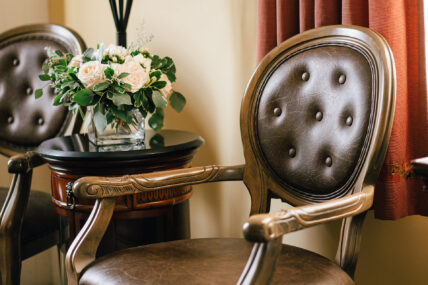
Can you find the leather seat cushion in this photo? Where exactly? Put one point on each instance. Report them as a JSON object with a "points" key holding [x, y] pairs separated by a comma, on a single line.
{"points": [[207, 261], [40, 218]]}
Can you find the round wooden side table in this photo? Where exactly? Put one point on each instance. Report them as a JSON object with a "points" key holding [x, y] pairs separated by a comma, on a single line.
{"points": [[138, 219]]}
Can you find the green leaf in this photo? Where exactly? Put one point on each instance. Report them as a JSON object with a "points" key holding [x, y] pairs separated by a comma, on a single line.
{"points": [[156, 62], [157, 141], [156, 121], [158, 99], [156, 74], [101, 86], [38, 93], [159, 84], [44, 77], [82, 115], [148, 102], [109, 72], [138, 100], [121, 115], [143, 112], [110, 117], [177, 101], [58, 52], [100, 122], [123, 75], [45, 68], [126, 86], [171, 76], [84, 97], [121, 99], [119, 89], [57, 100]]}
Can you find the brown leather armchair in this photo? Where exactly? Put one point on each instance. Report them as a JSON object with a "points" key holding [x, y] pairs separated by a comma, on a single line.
{"points": [[24, 124], [315, 124]]}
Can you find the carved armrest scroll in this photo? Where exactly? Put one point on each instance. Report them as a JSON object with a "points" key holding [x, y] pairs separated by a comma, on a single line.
{"points": [[268, 227], [103, 187], [22, 163]]}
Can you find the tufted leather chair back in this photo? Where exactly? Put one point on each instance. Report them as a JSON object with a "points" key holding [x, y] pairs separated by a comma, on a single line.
{"points": [[24, 121], [316, 116]]}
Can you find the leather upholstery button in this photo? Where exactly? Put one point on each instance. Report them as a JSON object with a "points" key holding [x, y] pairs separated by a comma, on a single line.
{"points": [[318, 116], [328, 161], [10, 120], [292, 152], [305, 76], [349, 121], [29, 91], [277, 111], [342, 78], [40, 121], [15, 61]]}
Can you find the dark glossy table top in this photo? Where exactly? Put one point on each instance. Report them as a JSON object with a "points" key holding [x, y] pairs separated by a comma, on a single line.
{"points": [[78, 146]]}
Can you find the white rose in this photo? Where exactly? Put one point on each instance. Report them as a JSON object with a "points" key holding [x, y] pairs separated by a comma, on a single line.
{"points": [[144, 61], [76, 61], [167, 90], [91, 73], [112, 50], [137, 77]]}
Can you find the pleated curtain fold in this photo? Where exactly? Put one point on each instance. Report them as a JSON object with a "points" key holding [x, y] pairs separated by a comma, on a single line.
{"points": [[401, 22]]}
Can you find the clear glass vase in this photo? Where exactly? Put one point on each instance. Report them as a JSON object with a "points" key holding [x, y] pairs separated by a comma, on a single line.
{"points": [[118, 133]]}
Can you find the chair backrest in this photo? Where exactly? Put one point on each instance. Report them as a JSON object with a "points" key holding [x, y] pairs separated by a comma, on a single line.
{"points": [[24, 121], [316, 116]]}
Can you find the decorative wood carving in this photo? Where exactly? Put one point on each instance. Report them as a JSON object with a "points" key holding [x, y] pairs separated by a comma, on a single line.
{"points": [[101, 187]]}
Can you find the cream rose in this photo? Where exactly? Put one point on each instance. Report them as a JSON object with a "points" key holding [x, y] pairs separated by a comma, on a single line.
{"points": [[144, 61], [91, 73], [167, 90], [76, 61], [137, 77]]}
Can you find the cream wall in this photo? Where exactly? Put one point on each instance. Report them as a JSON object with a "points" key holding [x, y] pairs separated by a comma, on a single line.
{"points": [[213, 45]]}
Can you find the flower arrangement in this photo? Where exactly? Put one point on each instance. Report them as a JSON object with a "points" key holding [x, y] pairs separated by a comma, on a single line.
{"points": [[115, 81]]}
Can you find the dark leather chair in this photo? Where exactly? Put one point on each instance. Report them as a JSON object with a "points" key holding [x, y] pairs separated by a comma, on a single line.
{"points": [[315, 123], [24, 124]]}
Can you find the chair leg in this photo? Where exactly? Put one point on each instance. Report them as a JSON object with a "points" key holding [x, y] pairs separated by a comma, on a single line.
{"points": [[61, 249], [10, 263], [63, 239], [349, 245]]}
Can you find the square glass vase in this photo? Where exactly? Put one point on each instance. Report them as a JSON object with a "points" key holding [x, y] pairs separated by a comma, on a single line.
{"points": [[118, 133]]}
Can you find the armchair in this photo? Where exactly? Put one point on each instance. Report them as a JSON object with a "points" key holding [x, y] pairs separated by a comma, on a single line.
{"points": [[28, 229], [315, 124]]}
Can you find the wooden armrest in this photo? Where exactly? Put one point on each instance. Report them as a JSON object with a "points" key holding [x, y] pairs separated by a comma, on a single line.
{"points": [[268, 227], [266, 230], [104, 187], [12, 214], [22, 163]]}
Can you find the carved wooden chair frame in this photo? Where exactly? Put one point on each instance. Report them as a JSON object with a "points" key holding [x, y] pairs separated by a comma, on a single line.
{"points": [[266, 230]]}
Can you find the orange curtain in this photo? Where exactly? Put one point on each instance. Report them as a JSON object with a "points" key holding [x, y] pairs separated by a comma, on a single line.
{"points": [[397, 194]]}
